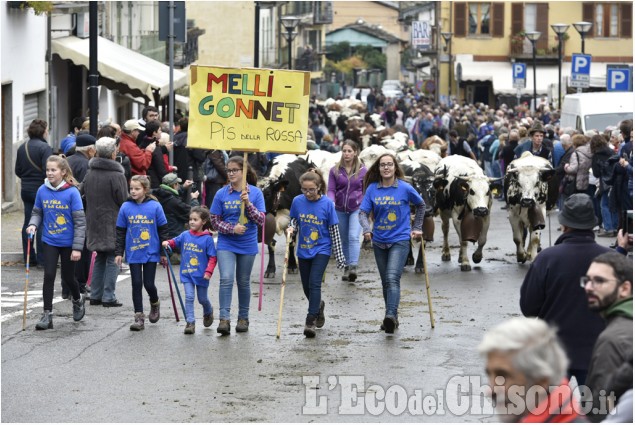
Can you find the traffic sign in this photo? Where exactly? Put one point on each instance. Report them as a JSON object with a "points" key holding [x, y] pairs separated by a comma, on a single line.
{"points": [[580, 70], [618, 79], [519, 75]]}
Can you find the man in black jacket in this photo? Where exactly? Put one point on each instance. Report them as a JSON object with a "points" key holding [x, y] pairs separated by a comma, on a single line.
{"points": [[177, 211], [551, 289], [30, 167]]}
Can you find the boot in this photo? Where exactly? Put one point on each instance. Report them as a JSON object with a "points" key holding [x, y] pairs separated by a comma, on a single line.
{"points": [[190, 328], [352, 273], [390, 324], [138, 325], [319, 322], [208, 319], [345, 275], [309, 327], [46, 322], [223, 327], [78, 308], [155, 314], [242, 325]]}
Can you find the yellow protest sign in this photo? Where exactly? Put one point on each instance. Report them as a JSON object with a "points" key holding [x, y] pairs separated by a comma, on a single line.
{"points": [[262, 110]]}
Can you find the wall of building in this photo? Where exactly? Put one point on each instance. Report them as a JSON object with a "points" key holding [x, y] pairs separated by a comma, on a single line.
{"points": [[228, 41], [374, 13]]}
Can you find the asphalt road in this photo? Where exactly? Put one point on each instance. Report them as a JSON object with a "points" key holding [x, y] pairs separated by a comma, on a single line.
{"points": [[97, 370]]}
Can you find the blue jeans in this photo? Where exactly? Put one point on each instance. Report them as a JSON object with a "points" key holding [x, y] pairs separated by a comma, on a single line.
{"points": [[311, 273], [28, 198], [390, 263], [609, 218], [201, 294], [350, 231], [104, 279], [238, 266], [142, 276]]}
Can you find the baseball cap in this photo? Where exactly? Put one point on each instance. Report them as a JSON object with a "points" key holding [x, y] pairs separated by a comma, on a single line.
{"points": [[171, 178], [131, 125]]}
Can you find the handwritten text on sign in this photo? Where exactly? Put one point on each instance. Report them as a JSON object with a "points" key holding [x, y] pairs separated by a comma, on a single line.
{"points": [[248, 109]]}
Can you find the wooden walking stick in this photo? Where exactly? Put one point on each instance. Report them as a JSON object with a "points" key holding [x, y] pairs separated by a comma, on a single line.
{"points": [[90, 270], [26, 284], [284, 281], [243, 219], [425, 268]]}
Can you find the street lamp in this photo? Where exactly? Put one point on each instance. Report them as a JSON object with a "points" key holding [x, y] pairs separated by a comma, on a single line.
{"points": [[560, 30], [290, 23], [533, 36], [447, 37], [583, 28]]}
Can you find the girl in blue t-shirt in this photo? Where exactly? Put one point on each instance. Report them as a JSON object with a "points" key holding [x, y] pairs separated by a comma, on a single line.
{"points": [[59, 214], [388, 198], [313, 217], [198, 260], [237, 243], [141, 227]]}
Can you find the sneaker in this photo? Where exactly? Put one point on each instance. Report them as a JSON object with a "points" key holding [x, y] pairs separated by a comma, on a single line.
{"points": [[113, 303], [155, 314], [224, 327], [78, 308], [190, 328], [390, 323], [352, 274], [138, 325], [242, 325], [208, 319], [309, 327], [95, 302], [46, 321], [607, 233], [345, 275], [319, 322]]}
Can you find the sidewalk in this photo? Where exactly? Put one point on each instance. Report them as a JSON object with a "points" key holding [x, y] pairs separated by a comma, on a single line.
{"points": [[11, 246]]}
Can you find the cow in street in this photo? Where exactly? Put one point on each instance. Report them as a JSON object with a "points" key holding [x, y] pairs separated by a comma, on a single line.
{"points": [[527, 187], [279, 185], [464, 195]]}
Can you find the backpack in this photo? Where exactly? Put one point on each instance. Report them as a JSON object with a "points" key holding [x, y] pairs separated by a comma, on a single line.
{"points": [[607, 172]]}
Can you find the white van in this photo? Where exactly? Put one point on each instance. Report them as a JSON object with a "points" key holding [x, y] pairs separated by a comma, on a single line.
{"points": [[597, 110]]}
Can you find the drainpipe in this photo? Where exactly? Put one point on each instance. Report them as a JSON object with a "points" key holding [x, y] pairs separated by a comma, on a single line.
{"points": [[93, 70]]}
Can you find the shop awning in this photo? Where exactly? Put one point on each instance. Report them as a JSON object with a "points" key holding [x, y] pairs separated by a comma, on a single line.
{"points": [[120, 68], [500, 75]]}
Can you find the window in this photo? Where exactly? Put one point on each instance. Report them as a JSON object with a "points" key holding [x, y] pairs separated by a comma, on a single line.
{"points": [[478, 19], [609, 19], [605, 20], [531, 17], [479, 15]]}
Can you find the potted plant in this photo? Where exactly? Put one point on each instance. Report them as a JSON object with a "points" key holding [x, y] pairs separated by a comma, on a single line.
{"points": [[517, 42], [39, 7]]}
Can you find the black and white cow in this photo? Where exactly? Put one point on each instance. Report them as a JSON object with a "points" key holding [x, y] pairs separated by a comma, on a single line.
{"points": [[527, 188], [279, 185], [463, 194]]}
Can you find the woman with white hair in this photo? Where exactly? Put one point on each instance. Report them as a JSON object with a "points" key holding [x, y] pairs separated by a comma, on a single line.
{"points": [[105, 188], [525, 359]]}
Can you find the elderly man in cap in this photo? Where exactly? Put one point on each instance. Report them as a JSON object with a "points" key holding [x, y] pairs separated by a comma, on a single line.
{"points": [[140, 159], [526, 368], [551, 288], [172, 199]]}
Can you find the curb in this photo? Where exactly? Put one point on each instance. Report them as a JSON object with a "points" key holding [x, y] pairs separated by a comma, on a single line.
{"points": [[11, 257]]}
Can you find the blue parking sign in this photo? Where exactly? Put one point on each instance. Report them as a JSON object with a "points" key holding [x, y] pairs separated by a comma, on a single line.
{"points": [[618, 79], [580, 70], [519, 75]]}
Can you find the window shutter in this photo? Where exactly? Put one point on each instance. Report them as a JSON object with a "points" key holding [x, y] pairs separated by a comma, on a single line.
{"points": [[542, 25], [460, 21], [499, 19], [626, 18], [517, 18], [588, 15]]}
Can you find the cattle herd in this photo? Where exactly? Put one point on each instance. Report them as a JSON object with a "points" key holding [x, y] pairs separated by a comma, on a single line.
{"points": [[454, 187]]}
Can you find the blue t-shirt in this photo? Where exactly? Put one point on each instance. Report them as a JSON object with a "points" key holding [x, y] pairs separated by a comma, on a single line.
{"points": [[314, 219], [195, 252], [57, 214], [227, 206], [142, 223], [391, 209]]}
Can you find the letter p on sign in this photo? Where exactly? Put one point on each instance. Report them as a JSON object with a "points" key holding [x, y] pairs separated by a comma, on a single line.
{"points": [[618, 79]]}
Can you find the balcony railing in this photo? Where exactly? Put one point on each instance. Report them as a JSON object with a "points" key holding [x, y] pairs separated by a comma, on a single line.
{"points": [[520, 49]]}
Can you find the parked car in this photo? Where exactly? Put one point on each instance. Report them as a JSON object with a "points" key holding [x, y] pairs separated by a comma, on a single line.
{"points": [[365, 92], [392, 88]]}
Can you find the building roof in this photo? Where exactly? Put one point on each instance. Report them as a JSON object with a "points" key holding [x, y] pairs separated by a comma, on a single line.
{"points": [[371, 30]]}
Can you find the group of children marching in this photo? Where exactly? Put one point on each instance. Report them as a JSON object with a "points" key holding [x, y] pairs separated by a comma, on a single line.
{"points": [[141, 234]]}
